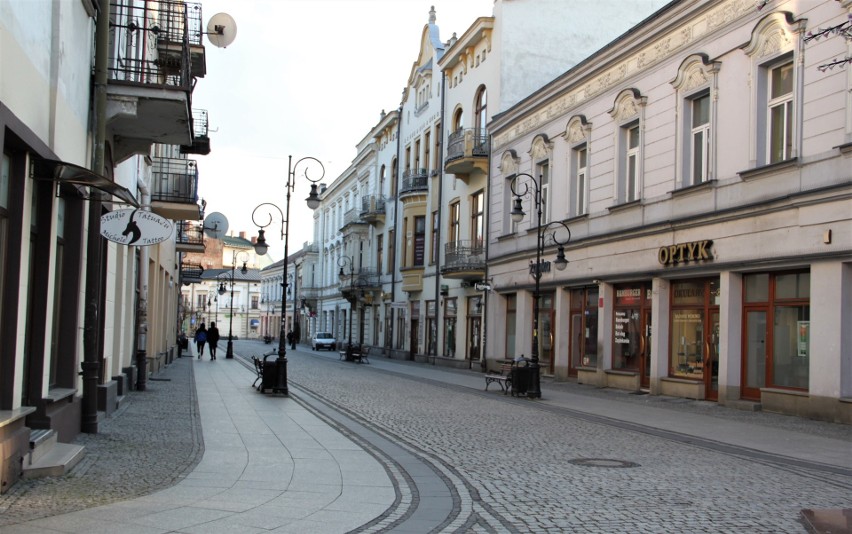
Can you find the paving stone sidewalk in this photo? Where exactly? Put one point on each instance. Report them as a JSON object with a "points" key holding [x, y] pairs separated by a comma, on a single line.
{"points": [[151, 442]]}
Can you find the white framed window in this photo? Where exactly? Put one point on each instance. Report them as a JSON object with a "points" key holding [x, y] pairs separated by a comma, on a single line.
{"points": [[780, 112], [630, 162], [776, 102], [578, 133], [581, 171], [509, 163], [628, 114], [543, 176], [699, 135]]}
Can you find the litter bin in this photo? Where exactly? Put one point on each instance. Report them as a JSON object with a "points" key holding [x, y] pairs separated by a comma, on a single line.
{"points": [[270, 375], [521, 377]]}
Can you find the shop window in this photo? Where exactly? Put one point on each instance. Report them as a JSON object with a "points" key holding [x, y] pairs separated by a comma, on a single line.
{"points": [[511, 318], [584, 328], [694, 328], [450, 313], [631, 326], [431, 328], [776, 350]]}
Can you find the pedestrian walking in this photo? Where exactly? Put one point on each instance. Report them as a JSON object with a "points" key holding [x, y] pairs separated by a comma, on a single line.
{"points": [[213, 339], [200, 339]]}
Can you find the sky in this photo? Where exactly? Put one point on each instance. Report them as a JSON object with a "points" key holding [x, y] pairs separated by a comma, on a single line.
{"points": [[304, 78]]}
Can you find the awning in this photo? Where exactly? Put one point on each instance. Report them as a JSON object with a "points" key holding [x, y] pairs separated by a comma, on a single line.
{"points": [[59, 171], [254, 322]]}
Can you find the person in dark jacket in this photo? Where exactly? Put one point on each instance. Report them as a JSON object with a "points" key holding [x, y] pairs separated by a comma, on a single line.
{"points": [[213, 339], [200, 339]]}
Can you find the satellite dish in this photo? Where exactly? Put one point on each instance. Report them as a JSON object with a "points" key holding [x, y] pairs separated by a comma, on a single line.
{"points": [[215, 226], [221, 30]]}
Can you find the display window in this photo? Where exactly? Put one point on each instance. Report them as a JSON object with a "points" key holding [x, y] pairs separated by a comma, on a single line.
{"points": [[546, 338], [632, 329], [694, 347], [584, 329], [776, 340]]}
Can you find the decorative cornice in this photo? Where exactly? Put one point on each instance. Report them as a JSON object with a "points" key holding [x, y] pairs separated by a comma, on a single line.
{"points": [[653, 53]]}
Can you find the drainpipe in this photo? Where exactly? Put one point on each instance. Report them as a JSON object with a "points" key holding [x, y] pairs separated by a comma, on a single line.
{"points": [[142, 302], [440, 218], [483, 363], [396, 236], [91, 322]]}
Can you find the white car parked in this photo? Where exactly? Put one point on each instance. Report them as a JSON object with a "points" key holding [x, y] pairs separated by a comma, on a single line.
{"points": [[323, 340]]}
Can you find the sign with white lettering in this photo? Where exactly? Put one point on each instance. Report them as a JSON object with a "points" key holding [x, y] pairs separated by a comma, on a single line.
{"points": [[135, 227]]}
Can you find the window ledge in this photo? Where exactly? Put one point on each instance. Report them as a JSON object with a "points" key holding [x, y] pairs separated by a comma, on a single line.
{"points": [[57, 394], [576, 218], [620, 372], [505, 237], [709, 184], [680, 380], [588, 369], [768, 169], [625, 205], [845, 148], [7, 417], [781, 391]]}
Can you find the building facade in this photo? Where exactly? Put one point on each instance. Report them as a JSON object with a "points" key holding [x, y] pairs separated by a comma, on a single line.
{"points": [[701, 164], [77, 147]]}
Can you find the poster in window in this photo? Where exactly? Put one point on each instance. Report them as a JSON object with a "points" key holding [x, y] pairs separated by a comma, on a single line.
{"points": [[804, 329]]}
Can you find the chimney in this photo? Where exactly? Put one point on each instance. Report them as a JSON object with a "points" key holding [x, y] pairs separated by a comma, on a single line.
{"points": [[242, 235], [254, 240]]}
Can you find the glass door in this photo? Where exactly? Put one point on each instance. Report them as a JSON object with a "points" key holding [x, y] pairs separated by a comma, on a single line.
{"points": [[711, 361], [645, 353]]}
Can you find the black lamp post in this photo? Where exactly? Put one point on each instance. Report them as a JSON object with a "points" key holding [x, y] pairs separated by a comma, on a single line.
{"points": [[346, 261], [230, 350], [261, 247], [537, 268]]}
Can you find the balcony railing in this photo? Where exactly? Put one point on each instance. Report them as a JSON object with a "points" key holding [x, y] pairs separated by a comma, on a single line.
{"points": [[200, 139], [150, 42], [373, 204], [190, 273], [352, 216], [189, 233], [414, 180], [467, 143], [175, 180], [466, 255]]}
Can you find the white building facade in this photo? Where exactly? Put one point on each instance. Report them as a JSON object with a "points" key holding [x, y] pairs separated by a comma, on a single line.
{"points": [[701, 163]]}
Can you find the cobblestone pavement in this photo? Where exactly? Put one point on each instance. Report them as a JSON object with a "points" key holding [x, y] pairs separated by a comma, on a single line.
{"points": [[148, 444], [542, 471], [514, 466]]}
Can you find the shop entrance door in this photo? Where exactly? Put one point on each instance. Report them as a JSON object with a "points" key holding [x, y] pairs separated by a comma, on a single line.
{"points": [[473, 334], [645, 354]]}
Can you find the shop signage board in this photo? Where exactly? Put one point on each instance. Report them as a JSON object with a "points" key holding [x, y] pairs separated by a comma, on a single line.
{"points": [[135, 227]]}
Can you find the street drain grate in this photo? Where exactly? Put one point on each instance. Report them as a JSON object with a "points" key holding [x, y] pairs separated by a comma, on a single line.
{"points": [[603, 462]]}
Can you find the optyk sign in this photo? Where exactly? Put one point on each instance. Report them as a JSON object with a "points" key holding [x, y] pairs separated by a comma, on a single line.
{"points": [[135, 227]]}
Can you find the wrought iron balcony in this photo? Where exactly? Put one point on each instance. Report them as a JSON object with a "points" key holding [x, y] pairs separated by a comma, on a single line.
{"points": [[189, 237], [200, 139], [155, 54], [190, 273], [373, 209], [352, 217], [174, 189], [361, 280], [414, 181], [467, 151], [464, 260]]}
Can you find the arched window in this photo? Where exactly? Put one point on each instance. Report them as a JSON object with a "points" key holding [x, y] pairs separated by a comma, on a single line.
{"points": [[481, 117], [458, 120]]}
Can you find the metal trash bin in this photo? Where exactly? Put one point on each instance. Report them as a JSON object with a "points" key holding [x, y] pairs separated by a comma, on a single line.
{"points": [[270, 375], [521, 377]]}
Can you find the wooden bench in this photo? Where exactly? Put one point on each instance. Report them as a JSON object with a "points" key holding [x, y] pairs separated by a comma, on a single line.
{"points": [[504, 379], [361, 355]]}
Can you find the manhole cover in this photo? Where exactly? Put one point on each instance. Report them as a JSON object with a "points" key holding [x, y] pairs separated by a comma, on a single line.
{"points": [[603, 462]]}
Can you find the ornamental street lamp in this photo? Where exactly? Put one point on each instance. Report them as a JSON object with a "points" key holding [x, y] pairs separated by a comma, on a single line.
{"points": [[536, 269], [230, 350], [346, 261], [261, 247]]}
